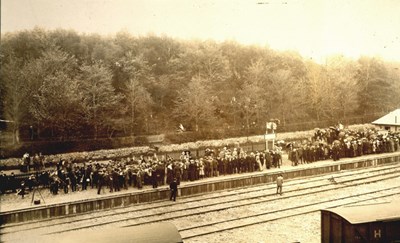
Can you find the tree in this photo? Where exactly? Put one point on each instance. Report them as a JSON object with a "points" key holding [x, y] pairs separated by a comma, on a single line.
{"points": [[139, 100], [158, 52], [57, 102], [52, 61], [50, 81], [14, 95], [194, 105], [252, 97], [342, 73], [288, 97], [374, 86], [26, 45], [99, 97], [68, 41], [393, 69], [135, 73], [206, 60], [318, 90]]}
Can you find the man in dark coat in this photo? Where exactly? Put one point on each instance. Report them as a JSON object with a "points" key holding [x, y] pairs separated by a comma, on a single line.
{"points": [[12, 182], [154, 177], [139, 176], [268, 159], [22, 190], [101, 181], [85, 178], [174, 189], [72, 177], [116, 182], [3, 182]]}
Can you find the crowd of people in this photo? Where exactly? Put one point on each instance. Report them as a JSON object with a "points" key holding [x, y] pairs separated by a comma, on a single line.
{"points": [[337, 142], [114, 175]]}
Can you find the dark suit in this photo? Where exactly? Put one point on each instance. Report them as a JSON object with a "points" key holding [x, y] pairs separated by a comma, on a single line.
{"points": [[174, 189]]}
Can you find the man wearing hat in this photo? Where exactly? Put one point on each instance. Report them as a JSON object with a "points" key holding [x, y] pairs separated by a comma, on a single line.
{"points": [[173, 186], [22, 190]]}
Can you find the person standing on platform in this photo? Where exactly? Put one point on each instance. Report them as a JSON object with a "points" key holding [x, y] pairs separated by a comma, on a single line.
{"points": [[279, 184], [3, 182], [139, 183], [154, 176], [268, 159], [101, 183], [22, 190], [174, 189], [12, 182]]}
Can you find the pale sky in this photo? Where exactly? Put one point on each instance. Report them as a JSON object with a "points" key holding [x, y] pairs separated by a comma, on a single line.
{"points": [[314, 28]]}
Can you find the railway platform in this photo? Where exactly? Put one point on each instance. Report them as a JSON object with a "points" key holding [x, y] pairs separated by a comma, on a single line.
{"points": [[14, 209]]}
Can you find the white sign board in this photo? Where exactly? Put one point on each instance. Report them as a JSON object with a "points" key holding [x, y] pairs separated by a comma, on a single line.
{"points": [[270, 136]]}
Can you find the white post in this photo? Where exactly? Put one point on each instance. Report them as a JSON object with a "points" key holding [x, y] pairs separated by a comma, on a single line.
{"points": [[266, 141], [273, 140]]}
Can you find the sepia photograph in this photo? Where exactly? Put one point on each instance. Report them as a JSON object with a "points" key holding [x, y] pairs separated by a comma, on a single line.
{"points": [[200, 121]]}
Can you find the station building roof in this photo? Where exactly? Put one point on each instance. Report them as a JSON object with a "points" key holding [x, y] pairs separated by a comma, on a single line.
{"points": [[369, 213], [391, 119]]}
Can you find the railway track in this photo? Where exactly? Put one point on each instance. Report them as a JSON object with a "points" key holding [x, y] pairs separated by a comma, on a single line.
{"points": [[218, 202], [260, 218]]}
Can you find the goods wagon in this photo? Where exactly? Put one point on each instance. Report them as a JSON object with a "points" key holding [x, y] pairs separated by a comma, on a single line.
{"points": [[378, 223]]}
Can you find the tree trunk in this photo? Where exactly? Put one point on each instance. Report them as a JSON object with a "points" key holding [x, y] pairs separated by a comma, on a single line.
{"points": [[16, 139], [197, 124], [95, 126], [95, 130], [132, 97], [110, 133], [132, 118], [234, 118], [247, 120], [38, 132]]}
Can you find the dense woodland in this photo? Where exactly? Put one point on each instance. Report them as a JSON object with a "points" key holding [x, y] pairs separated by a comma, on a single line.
{"points": [[64, 84]]}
